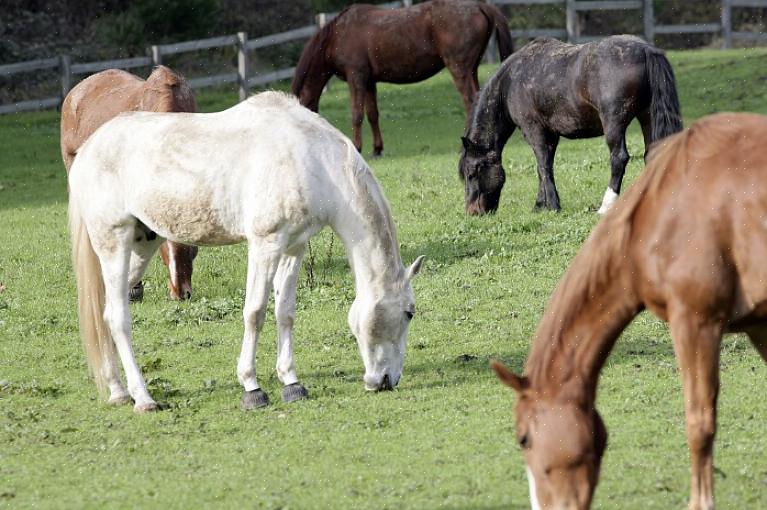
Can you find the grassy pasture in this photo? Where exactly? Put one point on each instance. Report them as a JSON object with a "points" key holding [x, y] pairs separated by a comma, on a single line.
{"points": [[444, 438]]}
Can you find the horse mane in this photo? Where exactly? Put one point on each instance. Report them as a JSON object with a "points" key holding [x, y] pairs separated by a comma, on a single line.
{"points": [[172, 92], [313, 50], [602, 257]]}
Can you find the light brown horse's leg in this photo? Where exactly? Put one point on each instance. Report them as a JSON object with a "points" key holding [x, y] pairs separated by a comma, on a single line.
{"points": [[371, 108], [696, 344], [357, 98]]}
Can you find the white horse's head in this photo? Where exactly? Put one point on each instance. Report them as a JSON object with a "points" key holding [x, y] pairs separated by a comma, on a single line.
{"points": [[380, 324]]}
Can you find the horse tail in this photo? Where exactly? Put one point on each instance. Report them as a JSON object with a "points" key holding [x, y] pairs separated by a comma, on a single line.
{"points": [[665, 112], [97, 340], [501, 26]]}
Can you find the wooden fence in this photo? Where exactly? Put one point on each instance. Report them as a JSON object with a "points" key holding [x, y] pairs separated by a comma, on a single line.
{"points": [[244, 46]]}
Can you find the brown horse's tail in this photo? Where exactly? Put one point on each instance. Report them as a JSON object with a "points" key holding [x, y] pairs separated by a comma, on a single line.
{"points": [[167, 91], [97, 340], [665, 112], [501, 26]]}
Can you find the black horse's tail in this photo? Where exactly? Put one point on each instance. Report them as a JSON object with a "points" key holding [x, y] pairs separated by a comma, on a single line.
{"points": [[501, 26], [665, 112]]}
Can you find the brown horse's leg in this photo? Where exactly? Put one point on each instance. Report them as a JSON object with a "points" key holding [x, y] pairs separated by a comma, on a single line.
{"points": [[357, 98], [759, 339], [465, 79], [696, 344], [371, 107]]}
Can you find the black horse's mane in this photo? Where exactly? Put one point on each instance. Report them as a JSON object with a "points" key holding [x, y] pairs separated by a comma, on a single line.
{"points": [[313, 50]]}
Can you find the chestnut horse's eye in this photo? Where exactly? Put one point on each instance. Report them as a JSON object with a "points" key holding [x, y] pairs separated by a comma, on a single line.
{"points": [[524, 442]]}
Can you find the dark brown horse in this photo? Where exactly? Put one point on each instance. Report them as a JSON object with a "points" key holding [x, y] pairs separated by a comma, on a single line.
{"points": [[688, 242], [365, 44], [550, 89], [105, 95]]}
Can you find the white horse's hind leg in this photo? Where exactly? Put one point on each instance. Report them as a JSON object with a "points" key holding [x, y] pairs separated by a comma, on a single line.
{"points": [[263, 258], [285, 282], [115, 259]]}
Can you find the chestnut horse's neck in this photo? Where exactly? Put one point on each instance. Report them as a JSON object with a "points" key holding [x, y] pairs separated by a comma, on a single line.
{"points": [[490, 125], [590, 307]]}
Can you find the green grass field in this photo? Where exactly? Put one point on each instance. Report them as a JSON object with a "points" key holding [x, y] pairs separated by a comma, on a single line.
{"points": [[444, 438]]}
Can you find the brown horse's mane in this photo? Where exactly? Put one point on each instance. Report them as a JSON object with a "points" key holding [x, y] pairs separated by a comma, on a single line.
{"points": [[601, 259], [313, 51], [171, 91]]}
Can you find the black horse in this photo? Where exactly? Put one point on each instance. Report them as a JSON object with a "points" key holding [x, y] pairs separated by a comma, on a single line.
{"points": [[550, 89]]}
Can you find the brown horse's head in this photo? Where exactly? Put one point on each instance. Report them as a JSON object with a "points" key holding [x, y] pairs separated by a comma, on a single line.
{"points": [[313, 70], [178, 258], [563, 443], [167, 91], [483, 176]]}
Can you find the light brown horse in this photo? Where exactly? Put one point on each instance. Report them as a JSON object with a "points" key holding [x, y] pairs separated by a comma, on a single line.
{"points": [[104, 95], [688, 242], [366, 44]]}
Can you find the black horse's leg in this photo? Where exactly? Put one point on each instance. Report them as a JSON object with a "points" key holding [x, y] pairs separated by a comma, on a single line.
{"points": [[544, 144], [646, 122], [371, 108], [357, 97], [615, 135]]}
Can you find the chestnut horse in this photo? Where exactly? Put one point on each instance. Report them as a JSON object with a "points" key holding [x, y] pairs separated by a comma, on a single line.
{"points": [[687, 242], [550, 89], [366, 44], [105, 95]]}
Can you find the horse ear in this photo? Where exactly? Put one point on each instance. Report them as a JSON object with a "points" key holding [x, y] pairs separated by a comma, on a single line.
{"points": [[467, 144], [507, 377], [415, 267]]}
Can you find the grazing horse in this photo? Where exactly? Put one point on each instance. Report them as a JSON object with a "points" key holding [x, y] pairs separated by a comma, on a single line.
{"points": [[687, 242], [267, 172], [365, 44], [104, 95], [550, 89]]}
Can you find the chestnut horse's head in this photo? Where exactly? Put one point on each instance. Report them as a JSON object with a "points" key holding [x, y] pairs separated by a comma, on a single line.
{"points": [[167, 91], [178, 258], [562, 442], [483, 176]]}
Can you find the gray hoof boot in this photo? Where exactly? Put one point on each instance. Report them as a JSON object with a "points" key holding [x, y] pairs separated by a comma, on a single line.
{"points": [[254, 399], [137, 292], [293, 392]]}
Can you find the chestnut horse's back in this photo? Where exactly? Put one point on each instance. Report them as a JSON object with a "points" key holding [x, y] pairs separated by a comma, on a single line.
{"points": [[104, 95]]}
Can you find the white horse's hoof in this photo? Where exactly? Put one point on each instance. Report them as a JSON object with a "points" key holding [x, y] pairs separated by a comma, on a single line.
{"points": [[120, 399], [293, 392], [254, 400], [148, 407]]}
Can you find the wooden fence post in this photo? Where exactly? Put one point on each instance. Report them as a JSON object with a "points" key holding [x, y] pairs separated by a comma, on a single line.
{"points": [[156, 56], [408, 3], [726, 24], [322, 20], [66, 75], [649, 22], [573, 30], [242, 64]]}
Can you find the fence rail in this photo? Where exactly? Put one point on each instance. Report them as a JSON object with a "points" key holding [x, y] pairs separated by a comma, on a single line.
{"points": [[572, 31]]}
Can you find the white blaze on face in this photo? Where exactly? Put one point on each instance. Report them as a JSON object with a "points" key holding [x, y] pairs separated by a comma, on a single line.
{"points": [[533, 495], [608, 200], [172, 267]]}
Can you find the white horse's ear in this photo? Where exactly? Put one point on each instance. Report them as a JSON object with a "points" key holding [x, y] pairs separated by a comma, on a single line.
{"points": [[415, 267]]}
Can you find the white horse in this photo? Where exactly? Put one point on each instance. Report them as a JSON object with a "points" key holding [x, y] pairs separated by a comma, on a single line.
{"points": [[267, 171]]}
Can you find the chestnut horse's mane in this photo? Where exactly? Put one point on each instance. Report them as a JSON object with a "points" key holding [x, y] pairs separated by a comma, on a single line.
{"points": [[601, 259], [313, 51]]}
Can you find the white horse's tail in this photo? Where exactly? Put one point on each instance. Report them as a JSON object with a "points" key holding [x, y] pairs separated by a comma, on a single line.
{"points": [[97, 340]]}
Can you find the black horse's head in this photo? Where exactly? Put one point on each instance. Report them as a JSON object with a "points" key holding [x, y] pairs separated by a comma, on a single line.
{"points": [[483, 176]]}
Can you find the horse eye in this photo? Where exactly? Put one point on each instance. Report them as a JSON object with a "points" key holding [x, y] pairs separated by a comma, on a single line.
{"points": [[524, 442], [409, 314]]}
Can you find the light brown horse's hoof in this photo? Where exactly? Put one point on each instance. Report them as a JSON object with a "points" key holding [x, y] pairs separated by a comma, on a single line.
{"points": [[149, 407], [119, 400]]}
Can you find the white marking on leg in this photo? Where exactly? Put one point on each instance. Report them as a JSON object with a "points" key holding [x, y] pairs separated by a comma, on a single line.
{"points": [[533, 495], [172, 267], [608, 200]]}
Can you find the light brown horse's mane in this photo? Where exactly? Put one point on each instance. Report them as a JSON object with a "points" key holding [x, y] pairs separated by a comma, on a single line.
{"points": [[601, 258], [313, 50], [170, 92]]}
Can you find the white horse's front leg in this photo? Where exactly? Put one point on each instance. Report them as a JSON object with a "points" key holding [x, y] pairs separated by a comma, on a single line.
{"points": [[262, 265], [114, 267], [285, 282]]}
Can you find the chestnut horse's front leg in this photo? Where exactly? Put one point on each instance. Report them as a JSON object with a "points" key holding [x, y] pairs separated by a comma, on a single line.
{"points": [[697, 338], [357, 98]]}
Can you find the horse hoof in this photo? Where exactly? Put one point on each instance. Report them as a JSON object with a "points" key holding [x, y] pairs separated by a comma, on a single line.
{"points": [[293, 392], [149, 407], [377, 154], [137, 292], [120, 400], [254, 400]]}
